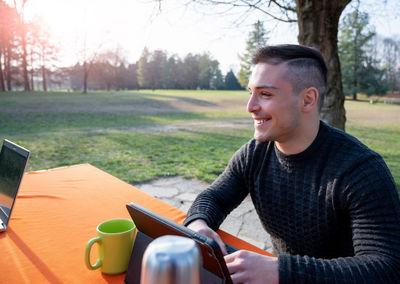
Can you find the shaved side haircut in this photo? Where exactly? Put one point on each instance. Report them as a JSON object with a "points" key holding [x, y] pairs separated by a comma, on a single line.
{"points": [[306, 66]]}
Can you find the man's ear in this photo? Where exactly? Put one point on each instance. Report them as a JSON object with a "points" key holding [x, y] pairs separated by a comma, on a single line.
{"points": [[309, 99]]}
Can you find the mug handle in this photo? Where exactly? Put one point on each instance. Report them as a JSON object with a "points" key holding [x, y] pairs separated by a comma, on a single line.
{"points": [[87, 254]]}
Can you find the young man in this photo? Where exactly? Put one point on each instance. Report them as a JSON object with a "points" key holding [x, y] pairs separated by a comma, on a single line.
{"points": [[329, 203]]}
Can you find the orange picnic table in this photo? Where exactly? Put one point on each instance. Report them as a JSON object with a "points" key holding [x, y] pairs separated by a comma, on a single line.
{"points": [[57, 212]]}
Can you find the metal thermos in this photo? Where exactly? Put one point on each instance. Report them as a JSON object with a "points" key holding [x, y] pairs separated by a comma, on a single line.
{"points": [[171, 260]]}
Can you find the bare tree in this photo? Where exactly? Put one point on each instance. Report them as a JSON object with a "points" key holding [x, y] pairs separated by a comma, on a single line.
{"points": [[48, 52], [391, 58], [88, 55], [86, 66], [105, 70], [89, 58], [8, 26], [22, 32], [2, 85]]}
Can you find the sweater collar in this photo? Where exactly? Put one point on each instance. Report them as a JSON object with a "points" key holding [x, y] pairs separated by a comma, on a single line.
{"points": [[310, 150]]}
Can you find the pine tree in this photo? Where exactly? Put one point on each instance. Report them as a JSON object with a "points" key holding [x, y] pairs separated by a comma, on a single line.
{"points": [[257, 38], [354, 42], [231, 82], [217, 80]]}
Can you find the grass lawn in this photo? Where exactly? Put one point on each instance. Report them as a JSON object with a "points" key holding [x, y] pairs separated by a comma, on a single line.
{"points": [[138, 136]]}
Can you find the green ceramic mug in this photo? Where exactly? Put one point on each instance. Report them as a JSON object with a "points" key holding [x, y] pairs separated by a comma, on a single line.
{"points": [[115, 240]]}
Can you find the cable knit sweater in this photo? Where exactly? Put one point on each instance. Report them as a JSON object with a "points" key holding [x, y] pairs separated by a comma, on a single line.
{"points": [[332, 211]]}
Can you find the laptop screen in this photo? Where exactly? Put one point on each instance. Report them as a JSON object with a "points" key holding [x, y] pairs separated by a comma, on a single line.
{"points": [[13, 160]]}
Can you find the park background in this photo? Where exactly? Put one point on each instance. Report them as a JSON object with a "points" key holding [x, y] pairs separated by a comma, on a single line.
{"points": [[171, 101]]}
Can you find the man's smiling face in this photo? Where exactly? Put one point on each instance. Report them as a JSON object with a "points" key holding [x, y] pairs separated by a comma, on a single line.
{"points": [[274, 107]]}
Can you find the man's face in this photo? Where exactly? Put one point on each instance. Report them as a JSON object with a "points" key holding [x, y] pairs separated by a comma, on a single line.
{"points": [[273, 106]]}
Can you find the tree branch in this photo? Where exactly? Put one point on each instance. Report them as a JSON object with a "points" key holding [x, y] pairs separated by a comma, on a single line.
{"points": [[258, 5]]}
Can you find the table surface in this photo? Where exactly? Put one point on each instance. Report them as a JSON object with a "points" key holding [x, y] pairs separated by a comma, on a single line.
{"points": [[57, 212]]}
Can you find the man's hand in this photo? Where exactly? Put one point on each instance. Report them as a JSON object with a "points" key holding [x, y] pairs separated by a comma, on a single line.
{"points": [[252, 268], [200, 226]]}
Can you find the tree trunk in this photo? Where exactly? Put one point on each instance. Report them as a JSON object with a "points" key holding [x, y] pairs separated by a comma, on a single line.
{"points": [[32, 84], [85, 77], [3, 86], [7, 68], [318, 22], [25, 66], [44, 80], [31, 72]]}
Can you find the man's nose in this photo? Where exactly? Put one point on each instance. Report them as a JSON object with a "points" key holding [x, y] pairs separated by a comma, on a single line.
{"points": [[252, 105]]}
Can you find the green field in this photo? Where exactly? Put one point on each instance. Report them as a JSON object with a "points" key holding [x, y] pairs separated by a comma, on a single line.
{"points": [[138, 136]]}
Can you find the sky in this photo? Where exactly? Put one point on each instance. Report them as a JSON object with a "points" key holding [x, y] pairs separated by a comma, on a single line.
{"points": [[178, 28]]}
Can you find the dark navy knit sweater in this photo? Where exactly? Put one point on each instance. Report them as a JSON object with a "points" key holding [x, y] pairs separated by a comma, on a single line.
{"points": [[332, 211]]}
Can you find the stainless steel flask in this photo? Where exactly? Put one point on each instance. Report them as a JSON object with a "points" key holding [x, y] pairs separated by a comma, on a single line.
{"points": [[171, 260]]}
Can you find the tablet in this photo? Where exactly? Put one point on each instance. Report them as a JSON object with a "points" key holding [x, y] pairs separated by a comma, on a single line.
{"points": [[151, 226]]}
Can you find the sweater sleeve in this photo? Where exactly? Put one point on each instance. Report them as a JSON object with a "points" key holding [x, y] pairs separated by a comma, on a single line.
{"points": [[223, 195], [373, 208]]}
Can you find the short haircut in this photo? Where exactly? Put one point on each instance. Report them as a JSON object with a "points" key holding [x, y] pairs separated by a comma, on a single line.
{"points": [[306, 66]]}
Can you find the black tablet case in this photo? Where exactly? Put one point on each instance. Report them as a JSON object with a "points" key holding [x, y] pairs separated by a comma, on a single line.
{"points": [[151, 226]]}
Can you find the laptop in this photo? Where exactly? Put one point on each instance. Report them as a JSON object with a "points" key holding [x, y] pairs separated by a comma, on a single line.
{"points": [[13, 160], [151, 226]]}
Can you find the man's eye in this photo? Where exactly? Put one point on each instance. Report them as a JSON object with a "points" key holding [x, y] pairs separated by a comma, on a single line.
{"points": [[266, 94]]}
